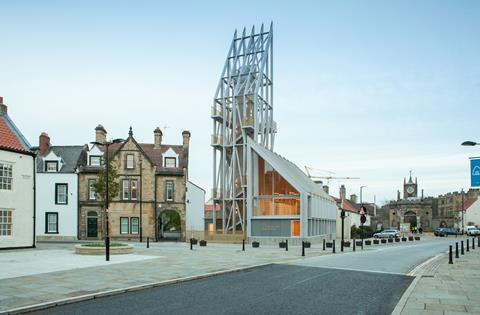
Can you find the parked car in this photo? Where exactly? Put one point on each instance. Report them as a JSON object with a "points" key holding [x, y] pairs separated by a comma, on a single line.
{"points": [[446, 231], [473, 231], [387, 234]]}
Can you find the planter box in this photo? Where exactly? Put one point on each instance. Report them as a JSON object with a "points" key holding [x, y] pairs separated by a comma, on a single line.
{"points": [[404, 239], [307, 244], [329, 244], [346, 244], [114, 250], [255, 244], [390, 240], [203, 243], [376, 242], [384, 241], [194, 241], [368, 242], [358, 243], [417, 238], [282, 244], [397, 239], [410, 238]]}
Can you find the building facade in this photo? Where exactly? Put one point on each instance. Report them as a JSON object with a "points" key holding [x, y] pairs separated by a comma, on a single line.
{"points": [[448, 205], [410, 212], [57, 190], [195, 211], [17, 186], [283, 202], [152, 195]]}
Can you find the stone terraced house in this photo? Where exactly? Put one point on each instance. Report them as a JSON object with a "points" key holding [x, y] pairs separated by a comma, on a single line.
{"points": [[152, 195]]}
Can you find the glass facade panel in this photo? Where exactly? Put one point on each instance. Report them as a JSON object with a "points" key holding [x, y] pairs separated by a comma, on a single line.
{"points": [[276, 196]]}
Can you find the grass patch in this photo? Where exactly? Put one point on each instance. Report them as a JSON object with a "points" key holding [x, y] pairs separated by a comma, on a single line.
{"points": [[103, 245]]}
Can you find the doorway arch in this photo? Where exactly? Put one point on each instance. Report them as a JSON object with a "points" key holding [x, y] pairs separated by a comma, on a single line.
{"points": [[169, 225], [410, 217]]}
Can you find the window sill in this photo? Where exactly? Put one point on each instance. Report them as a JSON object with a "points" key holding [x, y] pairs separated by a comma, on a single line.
{"points": [[51, 232]]}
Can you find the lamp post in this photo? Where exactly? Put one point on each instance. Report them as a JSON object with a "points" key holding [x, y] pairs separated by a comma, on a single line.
{"points": [[361, 209], [468, 144], [342, 215], [107, 236]]}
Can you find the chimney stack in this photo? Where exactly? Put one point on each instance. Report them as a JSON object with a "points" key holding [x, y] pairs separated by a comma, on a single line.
{"points": [[43, 143], [157, 135], [325, 188], [353, 198], [100, 134], [342, 193], [3, 107], [186, 144]]}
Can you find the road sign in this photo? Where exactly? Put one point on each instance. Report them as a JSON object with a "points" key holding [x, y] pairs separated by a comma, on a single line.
{"points": [[362, 210], [363, 219], [475, 171]]}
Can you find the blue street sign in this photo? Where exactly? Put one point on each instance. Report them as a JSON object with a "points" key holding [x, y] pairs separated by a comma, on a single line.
{"points": [[475, 172]]}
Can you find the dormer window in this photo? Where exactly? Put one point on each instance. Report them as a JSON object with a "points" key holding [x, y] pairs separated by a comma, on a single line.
{"points": [[130, 161], [95, 160], [51, 166], [170, 162]]}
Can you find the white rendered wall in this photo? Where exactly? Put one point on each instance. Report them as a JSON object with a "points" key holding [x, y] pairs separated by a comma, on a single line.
{"points": [[67, 214], [472, 214], [195, 210], [20, 199]]}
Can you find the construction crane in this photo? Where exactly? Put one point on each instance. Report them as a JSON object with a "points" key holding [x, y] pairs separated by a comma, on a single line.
{"points": [[328, 178]]}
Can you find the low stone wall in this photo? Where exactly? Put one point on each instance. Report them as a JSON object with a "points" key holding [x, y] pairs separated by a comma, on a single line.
{"points": [[43, 238], [115, 250]]}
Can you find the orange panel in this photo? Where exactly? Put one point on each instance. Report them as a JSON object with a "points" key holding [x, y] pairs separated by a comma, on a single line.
{"points": [[296, 228]]}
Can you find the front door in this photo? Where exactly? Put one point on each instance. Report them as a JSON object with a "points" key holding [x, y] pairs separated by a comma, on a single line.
{"points": [[92, 227]]}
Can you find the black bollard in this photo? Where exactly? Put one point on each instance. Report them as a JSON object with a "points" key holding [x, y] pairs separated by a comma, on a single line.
{"points": [[461, 248], [473, 242], [107, 248], [450, 259], [243, 245], [148, 242], [333, 246], [303, 248], [468, 245], [191, 244], [354, 245], [456, 249], [286, 245], [324, 244], [478, 242]]}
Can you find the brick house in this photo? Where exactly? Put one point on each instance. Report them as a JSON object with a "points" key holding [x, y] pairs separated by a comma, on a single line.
{"points": [[152, 195]]}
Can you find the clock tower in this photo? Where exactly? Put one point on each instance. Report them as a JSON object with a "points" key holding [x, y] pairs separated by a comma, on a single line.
{"points": [[410, 188]]}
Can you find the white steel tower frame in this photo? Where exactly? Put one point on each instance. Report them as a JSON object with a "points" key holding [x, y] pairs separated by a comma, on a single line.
{"points": [[242, 107]]}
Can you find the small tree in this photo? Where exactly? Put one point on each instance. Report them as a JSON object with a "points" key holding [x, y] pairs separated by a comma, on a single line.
{"points": [[113, 185]]}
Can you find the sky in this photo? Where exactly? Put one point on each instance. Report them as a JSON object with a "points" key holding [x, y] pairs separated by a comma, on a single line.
{"points": [[368, 89]]}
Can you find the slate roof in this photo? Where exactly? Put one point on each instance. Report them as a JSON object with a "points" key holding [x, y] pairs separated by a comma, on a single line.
{"points": [[70, 156], [156, 156], [10, 136]]}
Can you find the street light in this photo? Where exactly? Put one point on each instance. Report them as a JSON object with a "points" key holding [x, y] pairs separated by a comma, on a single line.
{"points": [[107, 236], [361, 209], [470, 143]]}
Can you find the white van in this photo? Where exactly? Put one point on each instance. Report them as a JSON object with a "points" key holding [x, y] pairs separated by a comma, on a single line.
{"points": [[472, 230]]}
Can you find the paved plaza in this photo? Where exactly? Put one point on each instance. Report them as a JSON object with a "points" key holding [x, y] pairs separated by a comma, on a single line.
{"points": [[446, 288]]}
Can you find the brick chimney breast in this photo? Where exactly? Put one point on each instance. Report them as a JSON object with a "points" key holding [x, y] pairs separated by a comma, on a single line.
{"points": [[186, 142], [100, 134], [157, 135], [342, 193], [3, 107], [353, 198], [43, 143]]}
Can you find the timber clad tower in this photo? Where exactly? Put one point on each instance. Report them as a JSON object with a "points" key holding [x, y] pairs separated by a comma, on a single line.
{"points": [[242, 109]]}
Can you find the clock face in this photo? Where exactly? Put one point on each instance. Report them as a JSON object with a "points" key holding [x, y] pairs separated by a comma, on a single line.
{"points": [[410, 189]]}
